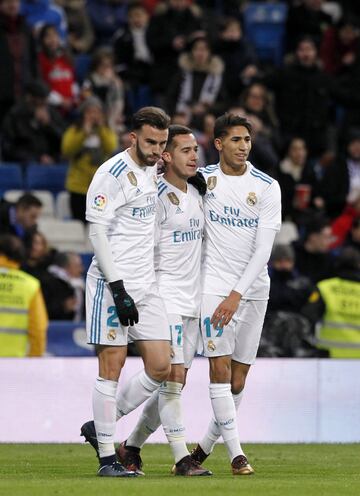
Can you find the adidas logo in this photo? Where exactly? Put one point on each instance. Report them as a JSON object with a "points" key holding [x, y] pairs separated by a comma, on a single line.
{"points": [[178, 211], [138, 191], [210, 195]]}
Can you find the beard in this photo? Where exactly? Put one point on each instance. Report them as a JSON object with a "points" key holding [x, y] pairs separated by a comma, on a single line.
{"points": [[145, 159]]}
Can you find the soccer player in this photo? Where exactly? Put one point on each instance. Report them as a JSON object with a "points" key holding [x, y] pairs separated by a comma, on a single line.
{"points": [[242, 209], [180, 222], [122, 299]]}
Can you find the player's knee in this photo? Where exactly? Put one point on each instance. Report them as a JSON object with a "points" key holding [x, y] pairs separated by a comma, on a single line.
{"points": [[159, 371], [237, 384], [220, 370]]}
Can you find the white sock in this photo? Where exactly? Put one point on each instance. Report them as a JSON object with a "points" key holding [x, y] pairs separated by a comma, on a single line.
{"points": [[148, 422], [225, 415], [213, 433], [170, 410], [104, 408], [138, 389]]}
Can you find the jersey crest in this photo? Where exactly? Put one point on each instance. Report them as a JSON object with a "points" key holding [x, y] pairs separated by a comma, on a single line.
{"points": [[173, 198], [211, 182], [251, 199], [211, 345], [132, 178], [111, 335]]}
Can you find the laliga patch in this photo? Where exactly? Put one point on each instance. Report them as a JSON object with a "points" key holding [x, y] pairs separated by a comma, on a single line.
{"points": [[99, 202], [211, 182], [173, 198], [132, 178], [251, 200], [111, 335]]}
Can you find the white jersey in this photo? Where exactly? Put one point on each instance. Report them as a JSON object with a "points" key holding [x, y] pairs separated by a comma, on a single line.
{"points": [[180, 222], [123, 196], [235, 207]]}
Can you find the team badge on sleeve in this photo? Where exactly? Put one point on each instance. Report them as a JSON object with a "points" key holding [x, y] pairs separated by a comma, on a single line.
{"points": [[211, 182], [132, 178], [173, 198], [99, 202], [251, 200]]}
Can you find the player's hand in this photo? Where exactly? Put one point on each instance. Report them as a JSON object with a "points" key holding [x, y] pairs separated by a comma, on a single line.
{"points": [[224, 312], [198, 181], [125, 306]]}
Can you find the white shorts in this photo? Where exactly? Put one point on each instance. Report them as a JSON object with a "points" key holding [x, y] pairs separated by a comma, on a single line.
{"points": [[185, 339], [240, 338], [103, 325]]}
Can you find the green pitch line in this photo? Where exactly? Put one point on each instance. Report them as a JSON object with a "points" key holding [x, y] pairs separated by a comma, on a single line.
{"points": [[281, 470]]}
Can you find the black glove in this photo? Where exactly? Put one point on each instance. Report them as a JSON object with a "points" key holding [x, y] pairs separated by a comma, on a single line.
{"points": [[125, 306], [198, 181]]}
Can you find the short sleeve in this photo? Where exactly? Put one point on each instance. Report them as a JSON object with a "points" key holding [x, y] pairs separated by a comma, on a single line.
{"points": [[270, 212], [105, 195]]}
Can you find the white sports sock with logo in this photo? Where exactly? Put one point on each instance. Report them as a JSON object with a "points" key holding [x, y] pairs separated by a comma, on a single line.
{"points": [[138, 389], [171, 415], [104, 408], [213, 433], [148, 422], [225, 416]]}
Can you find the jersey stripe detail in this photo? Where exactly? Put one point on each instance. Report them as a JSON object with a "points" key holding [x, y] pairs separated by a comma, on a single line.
{"points": [[210, 168], [162, 187], [265, 178], [95, 313], [262, 174], [118, 168]]}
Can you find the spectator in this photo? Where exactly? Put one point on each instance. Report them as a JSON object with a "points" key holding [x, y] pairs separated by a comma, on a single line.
{"points": [[343, 227], [302, 92], [80, 31], [32, 129], [20, 219], [38, 255], [341, 180], [169, 28], [238, 55], [289, 290], [353, 238], [198, 87], [40, 12], [133, 57], [306, 19], [299, 184], [17, 55], [57, 70], [334, 306], [63, 288], [107, 86], [23, 314], [312, 253], [340, 45], [286, 333], [106, 17], [87, 145]]}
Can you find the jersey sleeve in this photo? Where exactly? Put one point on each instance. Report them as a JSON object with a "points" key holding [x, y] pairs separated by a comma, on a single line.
{"points": [[161, 215], [105, 195], [270, 214]]}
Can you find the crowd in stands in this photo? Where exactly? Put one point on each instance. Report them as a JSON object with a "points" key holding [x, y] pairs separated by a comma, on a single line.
{"points": [[76, 70]]}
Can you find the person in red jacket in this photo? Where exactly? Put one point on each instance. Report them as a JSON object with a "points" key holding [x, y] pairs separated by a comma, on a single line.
{"points": [[57, 70]]}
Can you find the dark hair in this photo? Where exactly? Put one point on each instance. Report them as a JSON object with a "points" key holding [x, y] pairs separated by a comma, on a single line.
{"points": [[103, 52], [349, 258], [176, 130], [28, 200], [227, 121], [44, 30], [12, 247], [152, 116], [135, 4]]}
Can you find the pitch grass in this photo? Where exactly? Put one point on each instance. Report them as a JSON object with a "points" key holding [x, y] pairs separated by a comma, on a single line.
{"points": [[281, 470]]}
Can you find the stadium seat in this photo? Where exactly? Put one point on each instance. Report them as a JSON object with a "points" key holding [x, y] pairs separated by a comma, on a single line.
{"points": [[264, 26], [287, 234], [46, 198], [62, 206], [48, 177], [64, 235], [10, 177]]}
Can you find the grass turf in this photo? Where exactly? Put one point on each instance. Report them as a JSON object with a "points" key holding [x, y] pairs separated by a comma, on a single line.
{"points": [[281, 470]]}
